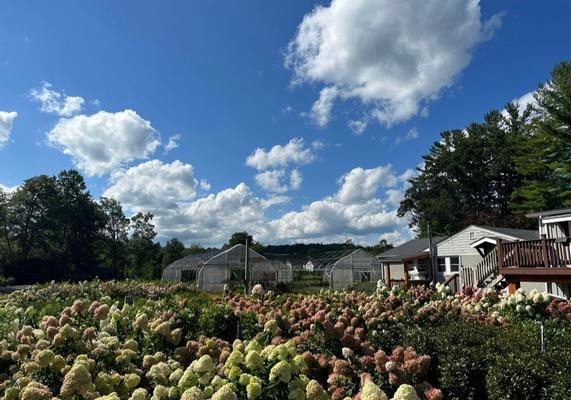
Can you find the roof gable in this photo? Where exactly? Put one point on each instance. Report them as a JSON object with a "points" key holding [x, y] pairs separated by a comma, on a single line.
{"points": [[504, 233], [409, 249]]}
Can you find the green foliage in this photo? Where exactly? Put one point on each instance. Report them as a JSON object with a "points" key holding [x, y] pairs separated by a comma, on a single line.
{"points": [[241, 238], [544, 153], [173, 250], [115, 234], [493, 172], [516, 376], [218, 321]]}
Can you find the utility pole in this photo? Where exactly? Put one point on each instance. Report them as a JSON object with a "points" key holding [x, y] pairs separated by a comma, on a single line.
{"points": [[432, 255], [246, 268]]}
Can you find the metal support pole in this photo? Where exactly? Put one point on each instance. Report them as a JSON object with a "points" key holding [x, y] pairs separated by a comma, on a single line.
{"points": [[433, 260], [246, 282]]}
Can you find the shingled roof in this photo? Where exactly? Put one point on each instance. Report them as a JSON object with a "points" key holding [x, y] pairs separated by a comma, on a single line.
{"points": [[523, 234], [411, 248]]}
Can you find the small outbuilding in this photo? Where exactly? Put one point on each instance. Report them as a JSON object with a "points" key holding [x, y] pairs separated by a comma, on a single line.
{"points": [[210, 271]]}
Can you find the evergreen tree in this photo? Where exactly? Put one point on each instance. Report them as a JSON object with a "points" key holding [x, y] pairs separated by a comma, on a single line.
{"points": [[544, 153]]}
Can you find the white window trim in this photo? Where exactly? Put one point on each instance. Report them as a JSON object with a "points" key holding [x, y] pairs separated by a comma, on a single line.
{"points": [[448, 265]]}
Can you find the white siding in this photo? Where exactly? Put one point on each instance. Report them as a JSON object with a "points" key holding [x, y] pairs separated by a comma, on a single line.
{"points": [[559, 289], [459, 245]]}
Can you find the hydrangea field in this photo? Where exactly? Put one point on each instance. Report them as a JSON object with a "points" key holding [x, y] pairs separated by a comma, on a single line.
{"points": [[157, 341]]}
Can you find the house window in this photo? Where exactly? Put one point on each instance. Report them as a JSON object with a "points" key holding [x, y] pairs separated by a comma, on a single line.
{"points": [[421, 267], [472, 235], [441, 263], [454, 264]]}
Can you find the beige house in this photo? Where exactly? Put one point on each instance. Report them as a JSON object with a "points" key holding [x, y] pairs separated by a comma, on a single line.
{"points": [[473, 246], [415, 254]]}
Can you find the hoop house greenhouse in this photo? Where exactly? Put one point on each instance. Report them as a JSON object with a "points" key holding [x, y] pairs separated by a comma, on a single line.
{"points": [[212, 270], [347, 269]]}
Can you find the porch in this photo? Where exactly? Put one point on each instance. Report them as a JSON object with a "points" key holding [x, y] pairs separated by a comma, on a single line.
{"points": [[543, 260]]}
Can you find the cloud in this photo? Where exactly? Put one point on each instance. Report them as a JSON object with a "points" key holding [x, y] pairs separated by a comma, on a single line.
{"points": [[361, 185], [204, 185], [6, 123], [272, 181], [172, 143], [104, 141], [58, 103], [317, 144], [153, 185], [525, 100], [295, 179], [273, 164], [281, 156], [355, 211], [276, 180], [357, 127], [327, 219], [393, 56], [321, 109], [212, 219], [8, 189], [410, 135], [169, 191]]}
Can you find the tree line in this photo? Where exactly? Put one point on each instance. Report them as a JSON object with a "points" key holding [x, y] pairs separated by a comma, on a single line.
{"points": [[496, 171], [53, 224]]}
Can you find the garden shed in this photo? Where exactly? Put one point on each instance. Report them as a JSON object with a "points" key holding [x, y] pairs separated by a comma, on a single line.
{"points": [[210, 271]]}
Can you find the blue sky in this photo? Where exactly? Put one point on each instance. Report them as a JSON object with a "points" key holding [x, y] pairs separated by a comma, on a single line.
{"points": [[359, 90]]}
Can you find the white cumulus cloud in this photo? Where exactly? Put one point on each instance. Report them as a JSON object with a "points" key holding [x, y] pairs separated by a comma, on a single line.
{"points": [[272, 181], [281, 156], [276, 180], [393, 56], [6, 123], [273, 164], [211, 219], [153, 185], [54, 102], [104, 141], [172, 143], [361, 185]]}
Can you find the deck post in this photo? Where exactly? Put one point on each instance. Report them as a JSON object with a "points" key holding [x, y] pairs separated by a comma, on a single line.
{"points": [[388, 274], [544, 250], [405, 266], [499, 253], [513, 287]]}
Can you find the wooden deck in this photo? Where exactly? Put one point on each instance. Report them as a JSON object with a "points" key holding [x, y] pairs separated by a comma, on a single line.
{"points": [[542, 260]]}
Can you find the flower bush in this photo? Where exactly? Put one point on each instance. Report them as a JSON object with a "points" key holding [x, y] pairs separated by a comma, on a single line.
{"points": [[157, 341]]}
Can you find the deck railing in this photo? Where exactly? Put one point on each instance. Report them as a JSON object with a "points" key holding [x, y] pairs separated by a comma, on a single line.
{"points": [[467, 276], [476, 275], [453, 282], [541, 253]]}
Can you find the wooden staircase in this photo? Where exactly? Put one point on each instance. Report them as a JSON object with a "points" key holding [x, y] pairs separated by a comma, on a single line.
{"points": [[483, 274]]}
